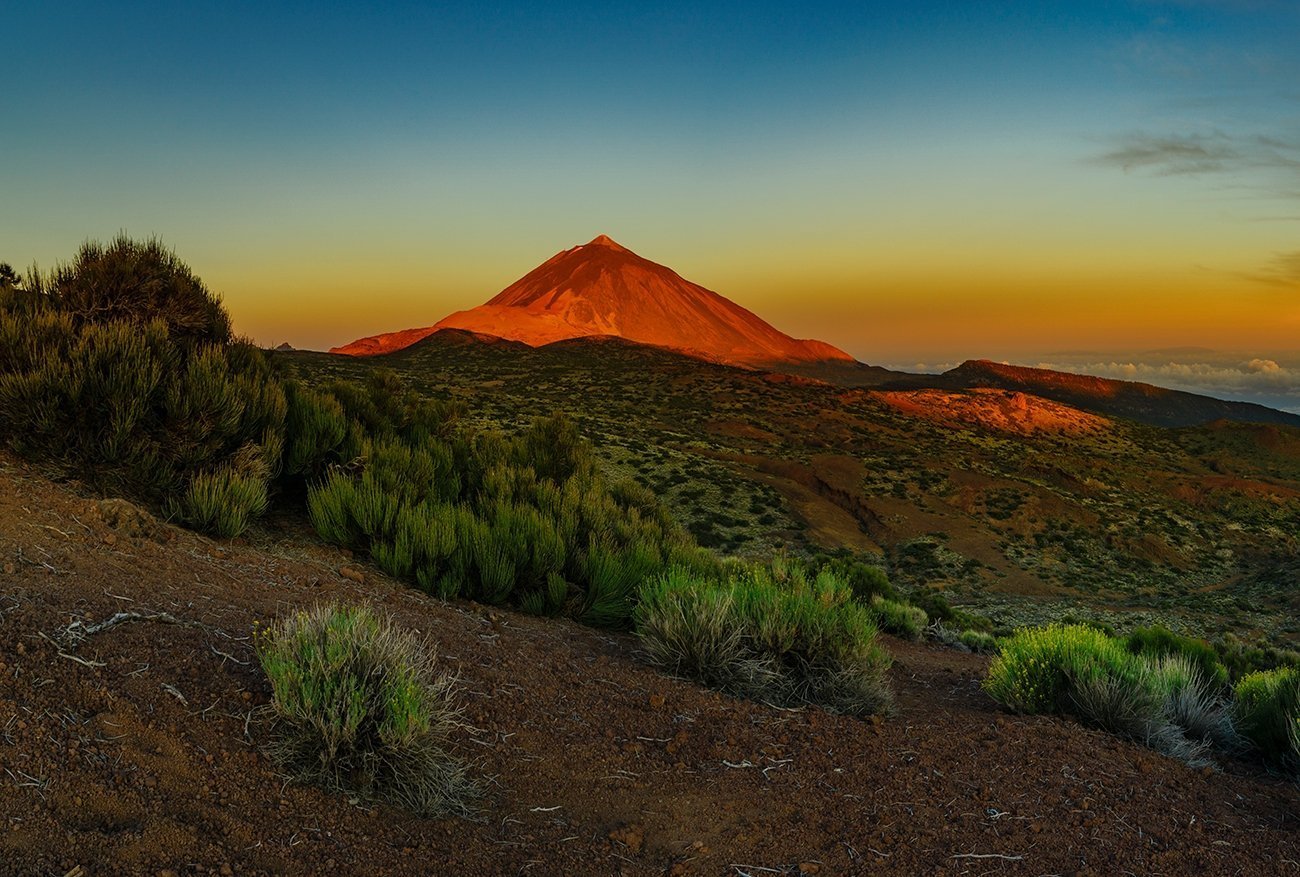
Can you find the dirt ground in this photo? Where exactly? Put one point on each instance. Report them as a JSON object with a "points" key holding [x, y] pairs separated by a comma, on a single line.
{"points": [[134, 752]]}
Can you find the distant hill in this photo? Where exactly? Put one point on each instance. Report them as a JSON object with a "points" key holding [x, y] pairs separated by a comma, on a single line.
{"points": [[602, 288], [1144, 403]]}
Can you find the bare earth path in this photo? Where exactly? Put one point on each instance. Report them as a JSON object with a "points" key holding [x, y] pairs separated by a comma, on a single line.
{"points": [[133, 753]]}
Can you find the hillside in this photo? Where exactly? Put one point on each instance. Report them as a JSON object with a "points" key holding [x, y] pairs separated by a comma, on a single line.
{"points": [[1127, 522], [137, 751], [1133, 400], [602, 288]]}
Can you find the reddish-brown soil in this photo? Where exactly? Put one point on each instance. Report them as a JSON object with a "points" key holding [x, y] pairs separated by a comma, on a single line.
{"points": [[1005, 411], [134, 753]]}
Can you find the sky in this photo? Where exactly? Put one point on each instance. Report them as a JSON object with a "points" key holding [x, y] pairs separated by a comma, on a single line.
{"points": [[1112, 183]]}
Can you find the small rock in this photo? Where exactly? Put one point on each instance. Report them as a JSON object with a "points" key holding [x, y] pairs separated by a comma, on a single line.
{"points": [[631, 836], [809, 868], [110, 538]]}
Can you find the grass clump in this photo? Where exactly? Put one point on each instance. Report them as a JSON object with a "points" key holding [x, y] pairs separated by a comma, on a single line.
{"points": [[978, 641], [1159, 642], [226, 501], [1165, 702], [358, 707], [786, 641], [1268, 713], [899, 618]]}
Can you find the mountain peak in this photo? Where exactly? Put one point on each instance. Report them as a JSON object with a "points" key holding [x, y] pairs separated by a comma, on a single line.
{"points": [[604, 240], [603, 288]]}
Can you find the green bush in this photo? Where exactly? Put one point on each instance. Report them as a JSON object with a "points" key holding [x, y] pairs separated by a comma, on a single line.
{"points": [[1268, 710], [864, 580], [316, 431], [137, 283], [1165, 702], [899, 618], [120, 369], [469, 515], [1076, 670], [1158, 642], [978, 641], [937, 608], [359, 708], [785, 643], [226, 501]]}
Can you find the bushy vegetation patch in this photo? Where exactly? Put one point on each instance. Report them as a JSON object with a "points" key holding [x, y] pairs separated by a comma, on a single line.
{"points": [[782, 637], [978, 641], [1166, 702], [1268, 713], [359, 707], [524, 521], [1158, 642], [899, 618], [120, 369]]}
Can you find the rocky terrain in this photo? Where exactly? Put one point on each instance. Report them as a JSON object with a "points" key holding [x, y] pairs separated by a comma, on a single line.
{"points": [[131, 744]]}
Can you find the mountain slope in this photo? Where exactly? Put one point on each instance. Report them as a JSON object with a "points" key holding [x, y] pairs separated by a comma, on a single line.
{"points": [[602, 288], [1144, 403]]}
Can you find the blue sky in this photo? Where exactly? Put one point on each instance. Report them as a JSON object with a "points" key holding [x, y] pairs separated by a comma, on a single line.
{"points": [[910, 181]]}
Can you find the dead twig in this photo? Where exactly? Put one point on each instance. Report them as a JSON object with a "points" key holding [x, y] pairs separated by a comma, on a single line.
{"points": [[987, 856], [62, 654], [77, 631]]}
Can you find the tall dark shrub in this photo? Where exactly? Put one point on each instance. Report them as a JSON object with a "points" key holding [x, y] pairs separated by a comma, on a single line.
{"points": [[138, 282]]}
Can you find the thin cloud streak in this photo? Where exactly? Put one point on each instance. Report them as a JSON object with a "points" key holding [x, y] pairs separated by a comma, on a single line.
{"points": [[1201, 153]]}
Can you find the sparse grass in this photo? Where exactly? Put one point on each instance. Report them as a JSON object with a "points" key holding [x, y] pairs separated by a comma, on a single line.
{"points": [[359, 707], [782, 642]]}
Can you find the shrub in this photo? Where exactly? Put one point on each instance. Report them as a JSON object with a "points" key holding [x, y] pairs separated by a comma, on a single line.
{"points": [[1267, 710], [937, 608], [1194, 704], [358, 707], [978, 641], [1077, 670], [1158, 642], [469, 515], [137, 282], [783, 643], [864, 580], [120, 369], [226, 501], [316, 430], [899, 618]]}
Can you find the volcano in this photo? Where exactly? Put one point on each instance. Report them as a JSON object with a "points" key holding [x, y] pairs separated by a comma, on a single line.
{"points": [[604, 289]]}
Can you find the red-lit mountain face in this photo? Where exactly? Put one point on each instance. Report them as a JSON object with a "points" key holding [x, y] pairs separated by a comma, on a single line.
{"points": [[602, 288]]}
